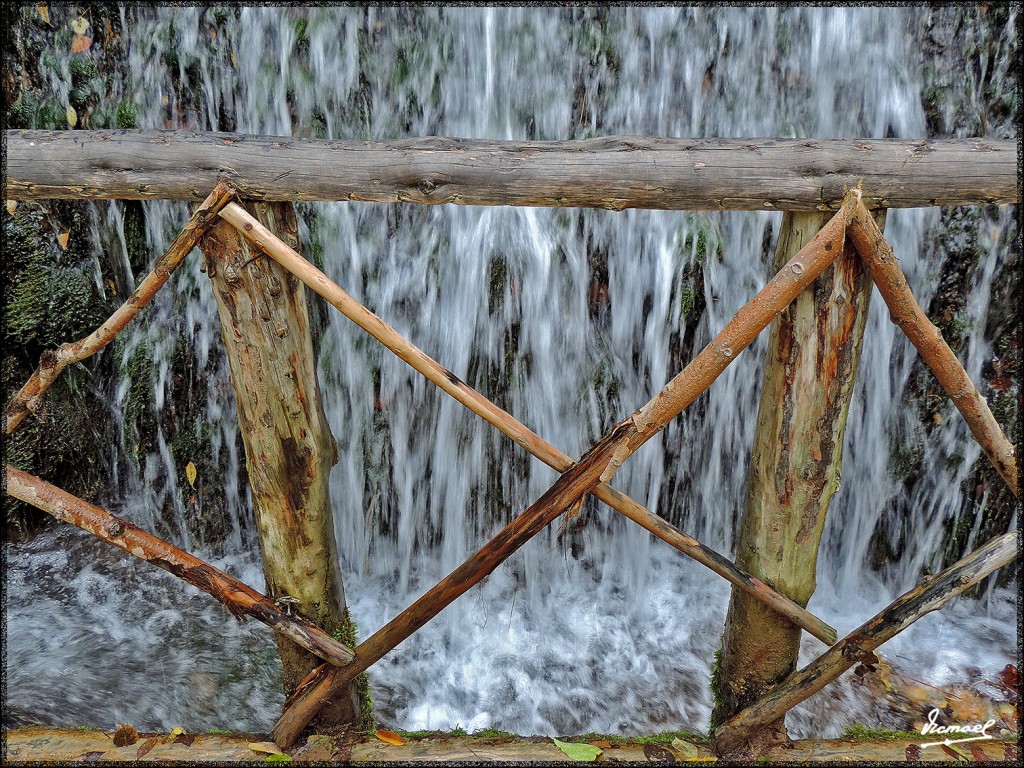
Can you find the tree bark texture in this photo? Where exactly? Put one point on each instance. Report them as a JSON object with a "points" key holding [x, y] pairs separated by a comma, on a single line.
{"points": [[810, 369], [289, 448], [52, 362], [930, 595], [508, 424], [614, 172], [883, 265], [239, 598]]}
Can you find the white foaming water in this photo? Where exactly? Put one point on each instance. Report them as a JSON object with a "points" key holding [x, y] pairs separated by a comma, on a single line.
{"points": [[606, 629]]}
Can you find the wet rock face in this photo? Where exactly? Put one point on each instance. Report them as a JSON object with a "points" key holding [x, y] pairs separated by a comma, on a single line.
{"points": [[969, 56]]}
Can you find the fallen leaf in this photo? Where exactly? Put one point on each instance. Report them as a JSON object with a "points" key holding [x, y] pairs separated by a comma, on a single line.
{"points": [[953, 751], [12, 206], [176, 731], [1008, 713], [265, 747], [62, 240], [125, 736], [185, 738], [80, 25], [145, 747], [80, 43], [601, 743], [190, 473], [390, 737], [1008, 676], [71, 115], [44, 13], [658, 754], [583, 753], [687, 750], [913, 753], [968, 708], [979, 754]]}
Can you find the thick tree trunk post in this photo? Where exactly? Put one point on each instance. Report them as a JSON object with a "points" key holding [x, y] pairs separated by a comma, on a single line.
{"points": [[813, 354], [289, 448]]}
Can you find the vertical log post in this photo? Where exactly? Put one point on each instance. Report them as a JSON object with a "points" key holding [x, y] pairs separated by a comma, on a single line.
{"points": [[813, 354], [289, 448]]}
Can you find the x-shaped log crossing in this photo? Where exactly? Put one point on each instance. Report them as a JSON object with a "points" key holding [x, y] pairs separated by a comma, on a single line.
{"points": [[590, 474]]}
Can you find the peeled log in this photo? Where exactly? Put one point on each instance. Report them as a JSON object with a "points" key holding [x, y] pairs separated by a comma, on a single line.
{"points": [[810, 369], [289, 448], [239, 598]]}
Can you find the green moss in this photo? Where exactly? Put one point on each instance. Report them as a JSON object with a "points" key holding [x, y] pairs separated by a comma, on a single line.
{"points": [[701, 240], [347, 633], [864, 733], [126, 116], [903, 459], [716, 692], [687, 300], [662, 738], [494, 733]]}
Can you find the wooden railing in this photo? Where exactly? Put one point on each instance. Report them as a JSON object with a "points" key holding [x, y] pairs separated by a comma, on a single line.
{"points": [[613, 173]]}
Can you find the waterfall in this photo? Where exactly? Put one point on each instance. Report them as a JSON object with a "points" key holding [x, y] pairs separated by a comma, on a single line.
{"points": [[569, 319]]}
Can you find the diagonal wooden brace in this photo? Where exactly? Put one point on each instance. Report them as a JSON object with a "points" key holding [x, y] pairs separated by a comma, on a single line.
{"points": [[239, 598], [52, 362], [568, 488], [598, 464], [516, 430], [885, 270]]}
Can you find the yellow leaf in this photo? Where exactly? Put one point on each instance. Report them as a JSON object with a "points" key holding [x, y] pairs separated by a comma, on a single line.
{"points": [[80, 43], [390, 737], [265, 747], [44, 13], [176, 731], [190, 473], [62, 239], [12, 206], [80, 25], [72, 116]]}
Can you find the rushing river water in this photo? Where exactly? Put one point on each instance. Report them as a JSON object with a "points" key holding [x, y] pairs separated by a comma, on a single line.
{"points": [[570, 319]]}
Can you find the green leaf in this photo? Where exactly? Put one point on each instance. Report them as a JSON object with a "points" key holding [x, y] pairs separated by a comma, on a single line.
{"points": [[278, 758], [584, 753], [685, 748]]}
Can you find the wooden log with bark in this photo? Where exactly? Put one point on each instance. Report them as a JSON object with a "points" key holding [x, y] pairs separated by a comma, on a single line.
{"points": [[240, 599], [451, 384], [931, 594], [614, 172], [52, 362], [809, 373], [935, 352], [599, 464], [289, 448]]}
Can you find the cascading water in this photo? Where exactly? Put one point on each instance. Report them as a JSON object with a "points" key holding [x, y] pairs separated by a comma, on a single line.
{"points": [[569, 319]]}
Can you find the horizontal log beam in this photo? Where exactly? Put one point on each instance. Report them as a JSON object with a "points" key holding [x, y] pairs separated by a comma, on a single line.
{"points": [[239, 598], [614, 172]]}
